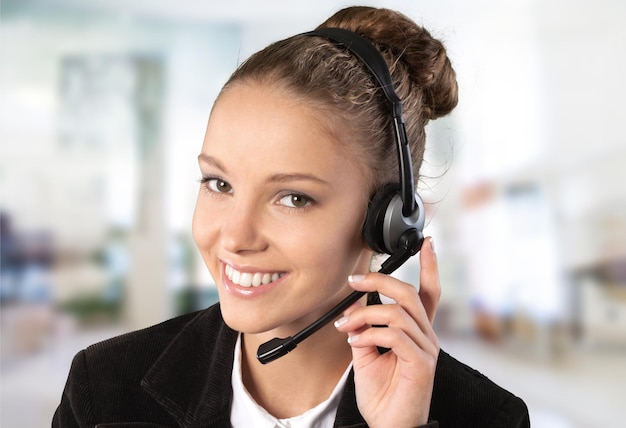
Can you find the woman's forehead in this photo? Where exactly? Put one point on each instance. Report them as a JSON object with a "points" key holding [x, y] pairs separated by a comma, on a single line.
{"points": [[252, 125]]}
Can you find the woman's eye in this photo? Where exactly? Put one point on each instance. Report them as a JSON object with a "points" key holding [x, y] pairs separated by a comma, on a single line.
{"points": [[295, 200], [217, 185]]}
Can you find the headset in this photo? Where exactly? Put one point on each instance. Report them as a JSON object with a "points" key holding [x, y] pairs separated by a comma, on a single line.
{"points": [[395, 217]]}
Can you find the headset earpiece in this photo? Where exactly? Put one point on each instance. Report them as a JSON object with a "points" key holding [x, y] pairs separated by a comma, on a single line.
{"points": [[385, 224]]}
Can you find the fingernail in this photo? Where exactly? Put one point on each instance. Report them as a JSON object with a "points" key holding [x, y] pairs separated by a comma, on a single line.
{"points": [[432, 244], [353, 339], [341, 321], [356, 278]]}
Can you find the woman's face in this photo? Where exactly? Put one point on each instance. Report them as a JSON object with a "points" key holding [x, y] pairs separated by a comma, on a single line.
{"points": [[279, 212]]}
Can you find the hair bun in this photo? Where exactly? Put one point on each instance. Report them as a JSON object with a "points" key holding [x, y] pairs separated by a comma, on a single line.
{"points": [[406, 46]]}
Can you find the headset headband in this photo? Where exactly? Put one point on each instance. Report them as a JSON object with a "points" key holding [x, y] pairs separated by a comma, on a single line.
{"points": [[374, 61]]}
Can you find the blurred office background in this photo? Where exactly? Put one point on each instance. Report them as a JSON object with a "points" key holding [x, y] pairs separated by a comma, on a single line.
{"points": [[103, 106]]}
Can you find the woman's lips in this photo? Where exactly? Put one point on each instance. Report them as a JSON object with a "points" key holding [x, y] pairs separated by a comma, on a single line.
{"points": [[249, 283]]}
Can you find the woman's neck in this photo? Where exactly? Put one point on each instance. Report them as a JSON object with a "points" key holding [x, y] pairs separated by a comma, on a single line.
{"points": [[301, 379]]}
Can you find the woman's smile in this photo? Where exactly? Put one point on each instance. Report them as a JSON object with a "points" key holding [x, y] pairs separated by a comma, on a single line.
{"points": [[249, 282], [250, 279]]}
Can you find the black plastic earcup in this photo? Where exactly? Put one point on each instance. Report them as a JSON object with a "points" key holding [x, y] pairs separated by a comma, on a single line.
{"points": [[373, 229], [385, 224]]}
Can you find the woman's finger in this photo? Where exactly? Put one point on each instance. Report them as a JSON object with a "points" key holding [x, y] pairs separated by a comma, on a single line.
{"points": [[418, 328], [406, 347], [430, 288], [406, 295]]}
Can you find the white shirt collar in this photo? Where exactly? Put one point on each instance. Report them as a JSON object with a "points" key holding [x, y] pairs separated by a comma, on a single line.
{"points": [[245, 412]]}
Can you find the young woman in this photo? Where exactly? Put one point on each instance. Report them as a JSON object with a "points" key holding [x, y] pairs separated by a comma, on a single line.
{"points": [[298, 142]]}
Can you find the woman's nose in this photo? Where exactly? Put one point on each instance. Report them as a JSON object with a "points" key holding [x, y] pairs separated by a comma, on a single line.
{"points": [[241, 231]]}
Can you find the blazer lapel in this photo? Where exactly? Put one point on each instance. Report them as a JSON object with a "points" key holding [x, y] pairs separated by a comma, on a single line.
{"points": [[191, 378], [348, 412]]}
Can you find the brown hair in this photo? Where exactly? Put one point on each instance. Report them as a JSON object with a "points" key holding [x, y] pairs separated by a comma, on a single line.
{"points": [[334, 82]]}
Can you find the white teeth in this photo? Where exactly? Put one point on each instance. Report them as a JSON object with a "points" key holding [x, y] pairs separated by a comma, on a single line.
{"points": [[248, 279]]}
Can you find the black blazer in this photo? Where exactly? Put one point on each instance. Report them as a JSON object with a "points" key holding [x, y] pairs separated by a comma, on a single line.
{"points": [[178, 374]]}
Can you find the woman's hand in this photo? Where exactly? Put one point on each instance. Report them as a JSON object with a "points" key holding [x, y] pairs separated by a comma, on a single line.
{"points": [[394, 389]]}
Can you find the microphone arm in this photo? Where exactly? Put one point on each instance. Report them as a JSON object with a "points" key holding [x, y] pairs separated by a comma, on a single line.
{"points": [[410, 243]]}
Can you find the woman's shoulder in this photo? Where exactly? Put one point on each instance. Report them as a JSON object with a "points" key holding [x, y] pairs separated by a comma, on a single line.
{"points": [[142, 347], [462, 394], [128, 377]]}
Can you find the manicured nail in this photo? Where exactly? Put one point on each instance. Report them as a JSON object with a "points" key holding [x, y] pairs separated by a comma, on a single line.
{"points": [[341, 321], [354, 339], [432, 244], [356, 278]]}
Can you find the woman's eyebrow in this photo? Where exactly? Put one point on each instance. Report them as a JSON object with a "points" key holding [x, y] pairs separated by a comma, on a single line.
{"points": [[203, 157], [285, 177]]}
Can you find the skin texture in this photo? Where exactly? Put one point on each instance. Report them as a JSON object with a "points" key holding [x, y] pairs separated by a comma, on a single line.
{"points": [[280, 195]]}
